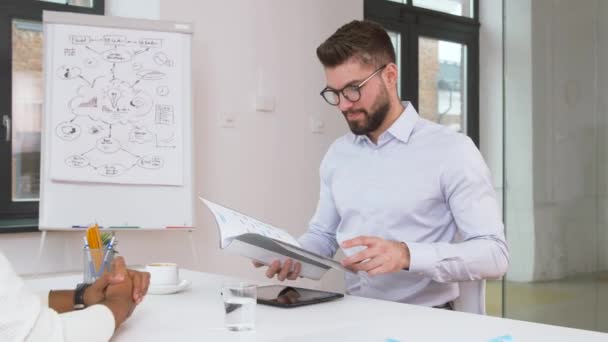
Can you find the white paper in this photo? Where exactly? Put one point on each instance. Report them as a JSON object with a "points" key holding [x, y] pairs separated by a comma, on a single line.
{"points": [[231, 223], [324, 260], [116, 106]]}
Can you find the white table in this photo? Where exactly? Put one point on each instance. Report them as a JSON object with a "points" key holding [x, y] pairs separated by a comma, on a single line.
{"points": [[197, 315]]}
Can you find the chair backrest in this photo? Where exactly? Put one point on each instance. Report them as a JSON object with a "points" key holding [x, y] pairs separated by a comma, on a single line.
{"points": [[472, 297]]}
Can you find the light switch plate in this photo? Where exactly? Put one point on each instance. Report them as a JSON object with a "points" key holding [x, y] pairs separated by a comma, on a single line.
{"points": [[228, 120], [317, 126], [264, 103]]}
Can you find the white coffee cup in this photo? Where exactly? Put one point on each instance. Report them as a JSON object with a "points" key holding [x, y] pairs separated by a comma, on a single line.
{"points": [[163, 273]]}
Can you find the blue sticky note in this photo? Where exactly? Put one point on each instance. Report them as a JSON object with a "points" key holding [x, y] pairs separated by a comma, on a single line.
{"points": [[391, 340], [505, 338]]}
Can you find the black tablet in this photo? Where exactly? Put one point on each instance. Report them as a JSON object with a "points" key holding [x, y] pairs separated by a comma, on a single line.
{"points": [[289, 297]]}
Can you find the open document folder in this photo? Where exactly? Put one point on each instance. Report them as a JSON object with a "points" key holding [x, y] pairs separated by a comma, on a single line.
{"points": [[262, 242]]}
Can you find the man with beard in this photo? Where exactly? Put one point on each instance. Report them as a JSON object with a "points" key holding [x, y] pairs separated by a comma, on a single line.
{"points": [[409, 201]]}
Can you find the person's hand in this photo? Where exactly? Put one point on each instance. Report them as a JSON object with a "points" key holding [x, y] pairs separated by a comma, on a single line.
{"points": [[282, 272], [119, 296], [141, 282], [95, 293], [380, 256]]}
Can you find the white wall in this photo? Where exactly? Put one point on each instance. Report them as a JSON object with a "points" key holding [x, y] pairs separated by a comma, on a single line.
{"points": [[602, 131], [145, 9], [267, 165], [556, 137], [565, 137]]}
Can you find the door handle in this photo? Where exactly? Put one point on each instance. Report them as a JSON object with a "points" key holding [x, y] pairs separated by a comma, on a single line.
{"points": [[6, 122]]}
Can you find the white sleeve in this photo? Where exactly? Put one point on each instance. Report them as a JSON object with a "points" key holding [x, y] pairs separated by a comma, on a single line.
{"points": [[24, 318], [44, 299], [483, 251], [95, 323], [320, 237]]}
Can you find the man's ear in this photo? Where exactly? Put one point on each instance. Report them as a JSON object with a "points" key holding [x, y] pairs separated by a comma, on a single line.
{"points": [[391, 74]]}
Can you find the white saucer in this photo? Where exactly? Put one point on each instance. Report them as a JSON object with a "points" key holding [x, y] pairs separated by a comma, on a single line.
{"points": [[169, 289]]}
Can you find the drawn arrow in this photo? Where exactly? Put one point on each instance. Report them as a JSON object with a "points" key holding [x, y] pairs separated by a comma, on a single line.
{"points": [[133, 154], [82, 155], [88, 47], [113, 71], [84, 79], [141, 51]]}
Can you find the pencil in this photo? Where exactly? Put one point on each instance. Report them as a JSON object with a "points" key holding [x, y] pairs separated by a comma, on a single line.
{"points": [[95, 245]]}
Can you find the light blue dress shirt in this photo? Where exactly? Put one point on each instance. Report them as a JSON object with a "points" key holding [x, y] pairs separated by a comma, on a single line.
{"points": [[422, 184]]}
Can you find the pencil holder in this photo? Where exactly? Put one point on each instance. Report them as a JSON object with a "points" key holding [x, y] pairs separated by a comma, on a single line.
{"points": [[96, 261]]}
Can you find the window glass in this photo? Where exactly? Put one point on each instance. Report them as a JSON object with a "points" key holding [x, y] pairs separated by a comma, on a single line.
{"points": [[396, 40], [27, 97], [81, 3], [456, 7], [442, 82]]}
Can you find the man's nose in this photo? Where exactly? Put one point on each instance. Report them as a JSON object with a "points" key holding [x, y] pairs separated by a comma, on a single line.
{"points": [[345, 104]]}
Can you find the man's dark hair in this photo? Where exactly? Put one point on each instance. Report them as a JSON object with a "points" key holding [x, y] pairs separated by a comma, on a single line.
{"points": [[364, 40]]}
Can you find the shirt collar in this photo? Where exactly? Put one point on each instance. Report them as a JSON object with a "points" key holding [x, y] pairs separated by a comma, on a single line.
{"points": [[401, 129]]}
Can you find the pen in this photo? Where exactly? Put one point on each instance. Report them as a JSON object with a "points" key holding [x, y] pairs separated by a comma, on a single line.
{"points": [[113, 227], [87, 251], [77, 226], [106, 255]]}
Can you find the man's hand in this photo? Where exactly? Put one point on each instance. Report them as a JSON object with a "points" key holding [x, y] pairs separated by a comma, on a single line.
{"points": [[119, 296], [141, 282], [282, 272], [380, 256], [95, 293]]}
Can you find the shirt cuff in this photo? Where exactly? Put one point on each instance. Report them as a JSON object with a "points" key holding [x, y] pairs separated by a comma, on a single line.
{"points": [[96, 321], [423, 258], [44, 299]]}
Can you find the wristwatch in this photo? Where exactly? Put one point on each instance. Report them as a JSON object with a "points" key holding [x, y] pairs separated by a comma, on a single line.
{"points": [[79, 296]]}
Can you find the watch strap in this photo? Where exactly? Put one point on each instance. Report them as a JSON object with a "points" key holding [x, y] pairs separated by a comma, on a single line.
{"points": [[79, 296]]}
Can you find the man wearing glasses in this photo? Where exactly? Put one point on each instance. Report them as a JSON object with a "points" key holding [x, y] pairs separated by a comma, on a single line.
{"points": [[409, 201]]}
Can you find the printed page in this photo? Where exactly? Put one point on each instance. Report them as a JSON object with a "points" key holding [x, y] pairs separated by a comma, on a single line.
{"points": [[116, 106], [232, 223]]}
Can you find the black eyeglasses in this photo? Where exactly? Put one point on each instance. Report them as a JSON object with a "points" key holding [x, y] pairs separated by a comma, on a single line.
{"points": [[351, 92]]}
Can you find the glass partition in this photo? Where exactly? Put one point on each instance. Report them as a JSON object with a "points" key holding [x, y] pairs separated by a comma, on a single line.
{"points": [[556, 161]]}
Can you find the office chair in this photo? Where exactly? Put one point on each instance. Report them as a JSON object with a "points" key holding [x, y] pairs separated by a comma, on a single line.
{"points": [[472, 297]]}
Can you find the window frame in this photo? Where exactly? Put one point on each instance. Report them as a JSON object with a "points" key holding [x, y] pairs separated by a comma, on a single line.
{"points": [[414, 22], [20, 216]]}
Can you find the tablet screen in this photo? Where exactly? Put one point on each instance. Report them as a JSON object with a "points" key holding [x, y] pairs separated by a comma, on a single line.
{"points": [[288, 296]]}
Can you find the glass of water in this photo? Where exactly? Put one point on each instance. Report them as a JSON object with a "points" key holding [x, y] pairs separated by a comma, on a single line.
{"points": [[239, 305]]}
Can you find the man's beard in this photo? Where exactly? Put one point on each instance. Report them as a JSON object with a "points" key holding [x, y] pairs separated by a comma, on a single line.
{"points": [[371, 121]]}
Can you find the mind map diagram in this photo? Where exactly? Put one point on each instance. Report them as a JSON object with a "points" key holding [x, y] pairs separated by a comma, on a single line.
{"points": [[120, 118]]}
